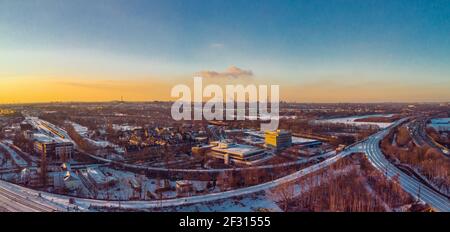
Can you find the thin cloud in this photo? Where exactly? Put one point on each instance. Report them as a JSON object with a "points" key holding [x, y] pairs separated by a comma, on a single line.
{"points": [[99, 85], [232, 72], [217, 45], [84, 85]]}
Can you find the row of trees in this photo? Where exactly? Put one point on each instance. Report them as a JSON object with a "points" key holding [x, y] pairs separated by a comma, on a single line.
{"points": [[439, 138], [403, 138], [426, 160], [350, 185]]}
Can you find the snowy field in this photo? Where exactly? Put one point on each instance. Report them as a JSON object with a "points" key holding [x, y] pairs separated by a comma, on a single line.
{"points": [[351, 121], [245, 204], [124, 186]]}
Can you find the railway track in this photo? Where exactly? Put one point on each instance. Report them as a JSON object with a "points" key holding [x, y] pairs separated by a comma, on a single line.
{"points": [[16, 203]]}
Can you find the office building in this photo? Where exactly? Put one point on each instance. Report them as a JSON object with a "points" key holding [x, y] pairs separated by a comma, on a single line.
{"points": [[279, 139]]}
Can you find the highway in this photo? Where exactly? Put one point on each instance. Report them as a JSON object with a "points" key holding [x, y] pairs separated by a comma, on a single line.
{"points": [[86, 204], [417, 130], [370, 146], [209, 171], [209, 197], [38, 124], [410, 184]]}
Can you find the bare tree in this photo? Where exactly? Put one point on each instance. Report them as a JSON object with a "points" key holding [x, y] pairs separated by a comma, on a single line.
{"points": [[283, 193]]}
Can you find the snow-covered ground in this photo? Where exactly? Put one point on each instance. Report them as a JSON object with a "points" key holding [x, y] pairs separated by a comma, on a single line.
{"points": [[269, 117], [18, 160], [299, 140], [351, 120], [84, 204], [81, 130], [265, 200], [253, 140], [5, 163], [244, 204], [131, 186], [124, 127]]}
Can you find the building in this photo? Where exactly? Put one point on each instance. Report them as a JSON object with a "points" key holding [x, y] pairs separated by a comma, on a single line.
{"points": [[200, 149], [28, 134], [184, 187], [279, 139], [71, 181], [237, 153], [66, 180], [53, 148], [24, 126], [340, 148], [98, 179]]}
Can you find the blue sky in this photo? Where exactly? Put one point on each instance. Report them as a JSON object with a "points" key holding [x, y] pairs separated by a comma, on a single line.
{"points": [[287, 41]]}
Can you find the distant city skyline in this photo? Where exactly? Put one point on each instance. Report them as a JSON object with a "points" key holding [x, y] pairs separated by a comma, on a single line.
{"points": [[317, 51]]}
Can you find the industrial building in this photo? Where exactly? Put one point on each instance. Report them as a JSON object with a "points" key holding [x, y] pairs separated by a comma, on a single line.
{"points": [[237, 153], [97, 179], [201, 149], [53, 148], [279, 139]]}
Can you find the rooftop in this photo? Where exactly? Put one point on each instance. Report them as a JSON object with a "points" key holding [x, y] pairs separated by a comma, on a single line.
{"points": [[237, 149], [43, 138], [278, 132]]}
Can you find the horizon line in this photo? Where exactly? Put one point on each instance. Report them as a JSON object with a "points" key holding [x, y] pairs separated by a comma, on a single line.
{"points": [[171, 101]]}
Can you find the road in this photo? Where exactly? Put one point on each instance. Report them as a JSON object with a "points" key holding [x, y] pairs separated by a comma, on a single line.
{"points": [[18, 160], [86, 204], [370, 146], [417, 130], [38, 124], [208, 171], [410, 184], [10, 201], [209, 197]]}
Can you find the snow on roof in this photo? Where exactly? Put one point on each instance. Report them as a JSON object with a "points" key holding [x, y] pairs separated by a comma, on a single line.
{"points": [[299, 140], [82, 130], [97, 176], [183, 182], [43, 138], [295, 140], [238, 149], [70, 176], [125, 127]]}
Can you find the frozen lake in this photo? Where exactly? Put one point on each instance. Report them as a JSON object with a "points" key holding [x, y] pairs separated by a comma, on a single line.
{"points": [[351, 120], [440, 124]]}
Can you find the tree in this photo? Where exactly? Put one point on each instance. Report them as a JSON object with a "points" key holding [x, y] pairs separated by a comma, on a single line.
{"points": [[283, 193], [403, 137]]}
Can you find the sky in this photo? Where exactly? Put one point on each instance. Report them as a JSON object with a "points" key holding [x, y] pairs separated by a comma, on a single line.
{"points": [[317, 51]]}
